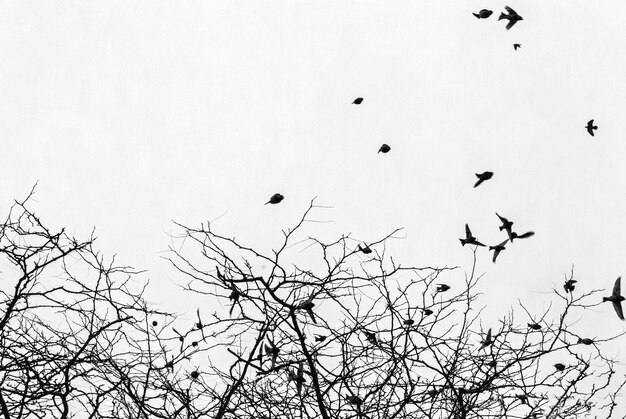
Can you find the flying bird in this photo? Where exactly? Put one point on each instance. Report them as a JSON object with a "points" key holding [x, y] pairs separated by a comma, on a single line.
{"points": [[409, 322], [506, 225], [358, 101], [512, 17], [320, 338], [559, 366], [526, 235], [275, 199], [497, 249], [469, 239], [590, 127], [483, 177], [585, 341], [365, 249], [442, 287], [616, 298], [483, 14], [487, 341], [308, 306], [384, 149], [569, 285], [516, 46], [534, 326], [297, 377]]}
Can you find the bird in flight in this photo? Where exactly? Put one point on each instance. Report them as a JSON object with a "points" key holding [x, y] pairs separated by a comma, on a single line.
{"points": [[358, 101], [590, 127], [506, 225], [275, 199], [365, 249], [487, 341], [483, 14], [320, 338], [273, 350], [308, 305], [297, 377], [512, 17], [516, 46], [497, 249], [616, 298], [483, 177], [585, 341], [526, 235], [384, 149], [442, 287], [469, 239], [569, 285]]}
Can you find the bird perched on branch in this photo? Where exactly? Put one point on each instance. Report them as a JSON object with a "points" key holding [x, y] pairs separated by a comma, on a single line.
{"points": [[559, 367], [275, 199], [384, 149], [569, 285], [483, 14], [298, 377], [469, 239], [590, 127], [585, 341], [512, 17], [442, 288], [308, 306], [616, 298], [320, 338], [234, 296], [497, 249], [365, 249], [534, 326], [483, 177]]}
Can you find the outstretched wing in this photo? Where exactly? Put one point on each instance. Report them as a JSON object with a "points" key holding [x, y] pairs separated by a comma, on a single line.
{"points": [[617, 287], [525, 235], [504, 220], [510, 24], [590, 128], [508, 9], [618, 309], [468, 232]]}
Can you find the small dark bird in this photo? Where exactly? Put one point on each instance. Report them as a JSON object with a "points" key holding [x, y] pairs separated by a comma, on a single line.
{"points": [[483, 14], [308, 306], [497, 249], [384, 149], [442, 288], [355, 400], [275, 199], [234, 295], [516, 46], [469, 239], [534, 326], [409, 322], [512, 17], [371, 337], [358, 101], [194, 375], [427, 311], [585, 341], [483, 177], [194, 343], [181, 338], [526, 235], [559, 366], [492, 363], [616, 298], [590, 127], [154, 323], [569, 285], [297, 377], [506, 225], [199, 323], [433, 393], [320, 338], [365, 249], [273, 350], [522, 397], [487, 341]]}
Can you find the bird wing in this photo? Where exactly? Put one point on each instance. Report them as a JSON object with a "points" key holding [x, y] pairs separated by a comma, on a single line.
{"points": [[468, 232], [590, 129], [617, 287], [510, 24], [508, 9], [503, 243], [618, 309], [496, 252], [526, 235], [479, 182], [504, 220]]}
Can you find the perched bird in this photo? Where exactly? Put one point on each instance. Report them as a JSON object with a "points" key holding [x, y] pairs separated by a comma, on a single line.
{"points": [[487, 341], [483, 14], [590, 127], [506, 225], [492, 363], [409, 322], [526, 235], [384, 149], [534, 326], [522, 398], [272, 350], [275, 199], [358, 101], [469, 239], [433, 393], [199, 324], [320, 338], [234, 295], [371, 337], [365, 249], [297, 377], [559, 366], [355, 400], [512, 17], [585, 341], [194, 375], [260, 356], [569, 285], [308, 306], [442, 288], [516, 46], [497, 249], [427, 311], [483, 177], [616, 298], [154, 323]]}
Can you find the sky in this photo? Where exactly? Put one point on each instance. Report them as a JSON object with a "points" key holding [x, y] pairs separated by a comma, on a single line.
{"points": [[131, 114]]}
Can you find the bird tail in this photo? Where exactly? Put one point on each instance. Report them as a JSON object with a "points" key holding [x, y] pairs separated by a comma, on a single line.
{"points": [[463, 242], [503, 16], [477, 15], [604, 299]]}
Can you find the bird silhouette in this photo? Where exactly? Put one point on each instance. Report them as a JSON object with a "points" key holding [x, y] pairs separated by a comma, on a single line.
{"points": [[483, 177], [616, 298], [275, 199], [534, 326], [516, 46], [483, 14], [384, 149], [427, 312], [442, 287], [590, 127], [469, 239], [487, 341], [506, 225], [409, 322], [320, 338], [559, 366], [358, 101], [569, 285], [365, 249], [194, 375], [497, 249], [526, 235], [298, 377], [272, 350], [371, 337], [585, 341], [234, 295], [492, 363], [308, 306], [355, 400], [512, 17]]}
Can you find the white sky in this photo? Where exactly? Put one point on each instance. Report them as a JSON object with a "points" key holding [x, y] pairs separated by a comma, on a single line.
{"points": [[132, 114]]}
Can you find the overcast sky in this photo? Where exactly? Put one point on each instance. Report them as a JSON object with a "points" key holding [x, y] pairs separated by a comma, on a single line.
{"points": [[132, 114]]}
